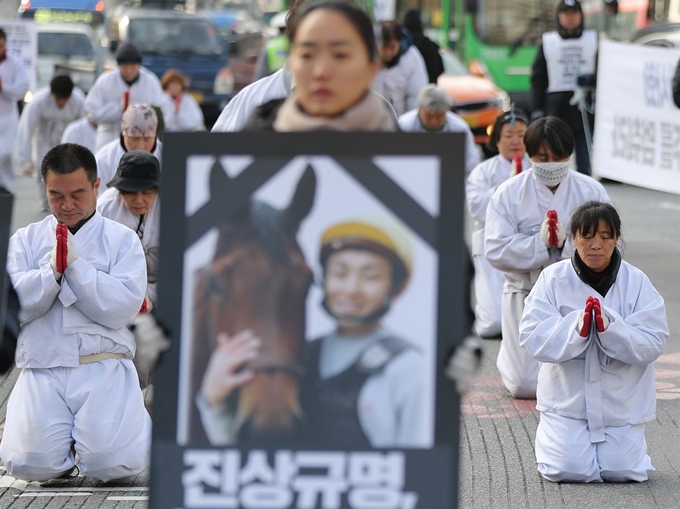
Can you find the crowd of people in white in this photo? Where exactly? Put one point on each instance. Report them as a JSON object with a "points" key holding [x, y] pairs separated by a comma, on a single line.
{"points": [[580, 327]]}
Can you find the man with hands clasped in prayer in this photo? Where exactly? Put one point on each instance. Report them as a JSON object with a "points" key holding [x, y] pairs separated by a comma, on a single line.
{"points": [[81, 278]]}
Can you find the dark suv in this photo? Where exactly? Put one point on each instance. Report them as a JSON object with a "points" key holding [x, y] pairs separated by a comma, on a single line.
{"points": [[178, 40]]}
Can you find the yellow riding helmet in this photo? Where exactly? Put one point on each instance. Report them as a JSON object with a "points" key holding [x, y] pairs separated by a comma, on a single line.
{"points": [[385, 239]]}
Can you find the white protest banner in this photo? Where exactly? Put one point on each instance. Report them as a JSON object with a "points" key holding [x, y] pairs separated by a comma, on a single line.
{"points": [[22, 42], [637, 125]]}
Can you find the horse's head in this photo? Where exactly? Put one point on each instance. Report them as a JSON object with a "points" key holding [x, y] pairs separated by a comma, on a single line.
{"points": [[259, 280]]}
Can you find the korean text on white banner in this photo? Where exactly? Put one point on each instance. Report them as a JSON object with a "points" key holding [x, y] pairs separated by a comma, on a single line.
{"points": [[22, 42], [637, 125], [312, 284]]}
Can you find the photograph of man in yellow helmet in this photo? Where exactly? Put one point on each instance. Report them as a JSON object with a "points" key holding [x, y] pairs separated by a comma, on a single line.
{"points": [[360, 386], [363, 385]]}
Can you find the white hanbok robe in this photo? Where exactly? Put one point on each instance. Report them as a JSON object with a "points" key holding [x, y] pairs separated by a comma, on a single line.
{"points": [[605, 380], [401, 84], [110, 205], [188, 117], [105, 101], [480, 186], [42, 126], [279, 85], [108, 158], [81, 132], [514, 245], [410, 122], [57, 401], [14, 85], [237, 112]]}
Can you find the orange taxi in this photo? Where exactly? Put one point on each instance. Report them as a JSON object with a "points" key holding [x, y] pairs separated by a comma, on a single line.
{"points": [[477, 100]]}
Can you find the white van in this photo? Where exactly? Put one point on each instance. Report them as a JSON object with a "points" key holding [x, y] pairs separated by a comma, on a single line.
{"points": [[68, 48]]}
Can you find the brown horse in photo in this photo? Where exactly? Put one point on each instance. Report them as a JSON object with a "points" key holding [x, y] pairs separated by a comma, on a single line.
{"points": [[258, 280]]}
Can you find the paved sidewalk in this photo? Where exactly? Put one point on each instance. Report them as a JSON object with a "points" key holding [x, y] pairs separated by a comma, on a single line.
{"points": [[497, 434], [497, 459], [498, 468]]}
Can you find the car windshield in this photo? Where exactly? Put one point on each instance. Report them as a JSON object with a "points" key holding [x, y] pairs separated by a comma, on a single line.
{"points": [[452, 66], [162, 36], [65, 45]]}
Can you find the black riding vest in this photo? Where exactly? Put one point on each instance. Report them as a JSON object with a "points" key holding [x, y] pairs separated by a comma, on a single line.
{"points": [[331, 405]]}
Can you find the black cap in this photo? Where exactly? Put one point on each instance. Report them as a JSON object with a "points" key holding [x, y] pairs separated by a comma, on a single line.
{"points": [[565, 5], [128, 54], [138, 170]]}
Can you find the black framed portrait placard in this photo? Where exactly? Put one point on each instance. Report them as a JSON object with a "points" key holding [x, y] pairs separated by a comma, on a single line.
{"points": [[313, 287]]}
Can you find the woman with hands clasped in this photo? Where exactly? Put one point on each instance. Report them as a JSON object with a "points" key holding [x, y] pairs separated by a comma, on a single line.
{"points": [[596, 324], [525, 231], [507, 139]]}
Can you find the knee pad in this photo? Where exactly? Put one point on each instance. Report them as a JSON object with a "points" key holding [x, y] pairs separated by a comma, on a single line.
{"points": [[109, 466], [36, 467], [519, 388], [625, 470], [569, 474]]}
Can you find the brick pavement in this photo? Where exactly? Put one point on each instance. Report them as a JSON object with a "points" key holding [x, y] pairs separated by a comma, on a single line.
{"points": [[497, 458], [497, 433], [498, 468]]}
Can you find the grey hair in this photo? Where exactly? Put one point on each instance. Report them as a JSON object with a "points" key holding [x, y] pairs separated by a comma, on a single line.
{"points": [[434, 98]]}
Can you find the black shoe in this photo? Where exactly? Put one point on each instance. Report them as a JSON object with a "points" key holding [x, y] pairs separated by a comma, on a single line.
{"points": [[69, 475], [74, 472]]}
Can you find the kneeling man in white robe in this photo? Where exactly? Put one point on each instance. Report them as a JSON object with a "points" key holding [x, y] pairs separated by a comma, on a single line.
{"points": [[81, 278]]}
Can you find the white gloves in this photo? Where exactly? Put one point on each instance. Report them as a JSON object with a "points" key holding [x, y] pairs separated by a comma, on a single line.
{"points": [[592, 312], [603, 324], [53, 263], [464, 363], [147, 305], [561, 235], [516, 166], [552, 231], [64, 252]]}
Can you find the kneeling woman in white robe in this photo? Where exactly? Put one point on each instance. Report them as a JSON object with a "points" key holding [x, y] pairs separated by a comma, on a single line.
{"points": [[507, 139], [132, 199], [521, 239], [597, 325]]}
